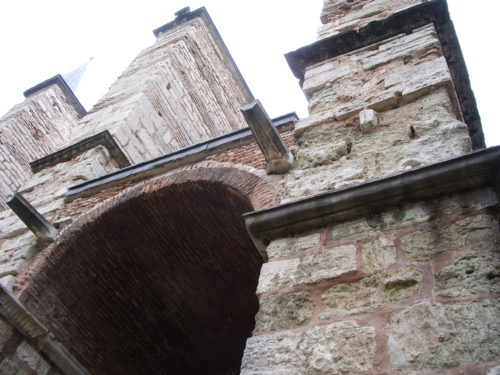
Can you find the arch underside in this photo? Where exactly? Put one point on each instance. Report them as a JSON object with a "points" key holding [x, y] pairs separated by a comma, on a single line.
{"points": [[163, 283]]}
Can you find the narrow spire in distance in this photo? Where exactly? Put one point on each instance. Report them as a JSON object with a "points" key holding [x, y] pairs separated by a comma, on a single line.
{"points": [[74, 77]]}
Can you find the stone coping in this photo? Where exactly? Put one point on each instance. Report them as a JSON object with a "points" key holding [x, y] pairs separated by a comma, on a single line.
{"points": [[103, 138], [185, 15], [176, 159], [469, 171], [37, 334], [59, 80], [403, 22]]}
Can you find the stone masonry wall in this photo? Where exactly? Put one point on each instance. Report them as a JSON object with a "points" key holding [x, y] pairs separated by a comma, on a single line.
{"points": [[18, 357], [413, 288], [376, 111], [37, 127], [342, 15], [176, 93]]}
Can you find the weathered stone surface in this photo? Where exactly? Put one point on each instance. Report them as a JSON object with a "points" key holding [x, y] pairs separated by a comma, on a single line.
{"points": [[310, 269], [32, 358], [334, 349], [471, 234], [373, 293], [341, 15], [469, 201], [368, 120], [321, 155], [284, 311], [395, 219], [288, 246], [473, 274], [378, 254], [430, 336], [9, 367], [388, 149], [494, 371]]}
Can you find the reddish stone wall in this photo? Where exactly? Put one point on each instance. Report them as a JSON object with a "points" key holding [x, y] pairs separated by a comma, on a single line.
{"points": [[413, 288]]}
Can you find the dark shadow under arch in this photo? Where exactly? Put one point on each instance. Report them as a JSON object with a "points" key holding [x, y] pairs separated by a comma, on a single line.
{"points": [[160, 283]]}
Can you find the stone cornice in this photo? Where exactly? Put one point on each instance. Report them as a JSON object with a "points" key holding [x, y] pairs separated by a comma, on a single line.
{"points": [[403, 22], [480, 168]]}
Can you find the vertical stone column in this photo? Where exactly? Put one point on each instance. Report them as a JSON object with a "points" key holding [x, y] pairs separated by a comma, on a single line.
{"points": [[410, 287]]}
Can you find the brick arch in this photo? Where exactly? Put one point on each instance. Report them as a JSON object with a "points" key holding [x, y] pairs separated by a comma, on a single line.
{"points": [[183, 224], [255, 185]]}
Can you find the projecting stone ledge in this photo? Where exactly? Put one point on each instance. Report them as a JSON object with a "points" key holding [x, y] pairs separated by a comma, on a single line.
{"points": [[31, 217], [279, 159]]}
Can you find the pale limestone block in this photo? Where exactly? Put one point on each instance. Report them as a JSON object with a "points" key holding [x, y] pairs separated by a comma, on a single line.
{"points": [[470, 235], [415, 77], [469, 201], [9, 367], [394, 219], [368, 120], [323, 265], [472, 274], [378, 254], [335, 349], [288, 246], [431, 336], [494, 371], [319, 76], [284, 311], [388, 288], [315, 156], [416, 44], [32, 358]]}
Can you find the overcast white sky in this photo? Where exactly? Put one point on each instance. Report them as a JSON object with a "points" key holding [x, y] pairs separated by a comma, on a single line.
{"points": [[42, 38]]}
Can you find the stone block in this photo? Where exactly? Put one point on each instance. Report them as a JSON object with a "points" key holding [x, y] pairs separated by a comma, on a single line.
{"points": [[292, 245], [315, 156], [334, 349], [373, 293], [470, 235], [310, 269], [431, 336], [394, 219], [378, 254], [473, 274], [9, 367], [416, 77], [32, 358], [469, 201], [284, 311], [368, 120]]}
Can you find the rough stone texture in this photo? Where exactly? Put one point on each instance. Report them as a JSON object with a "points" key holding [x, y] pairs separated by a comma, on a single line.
{"points": [[432, 336], [389, 220], [178, 92], [284, 311], [388, 288], [337, 348], [379, 76], [378, 254], [288, 246], [32, 358], [341, 15], [389, 149], [310, 269], [473, 274], [468, 201], [321, 155], [368, 120], [470, 235], [30, 130]]}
